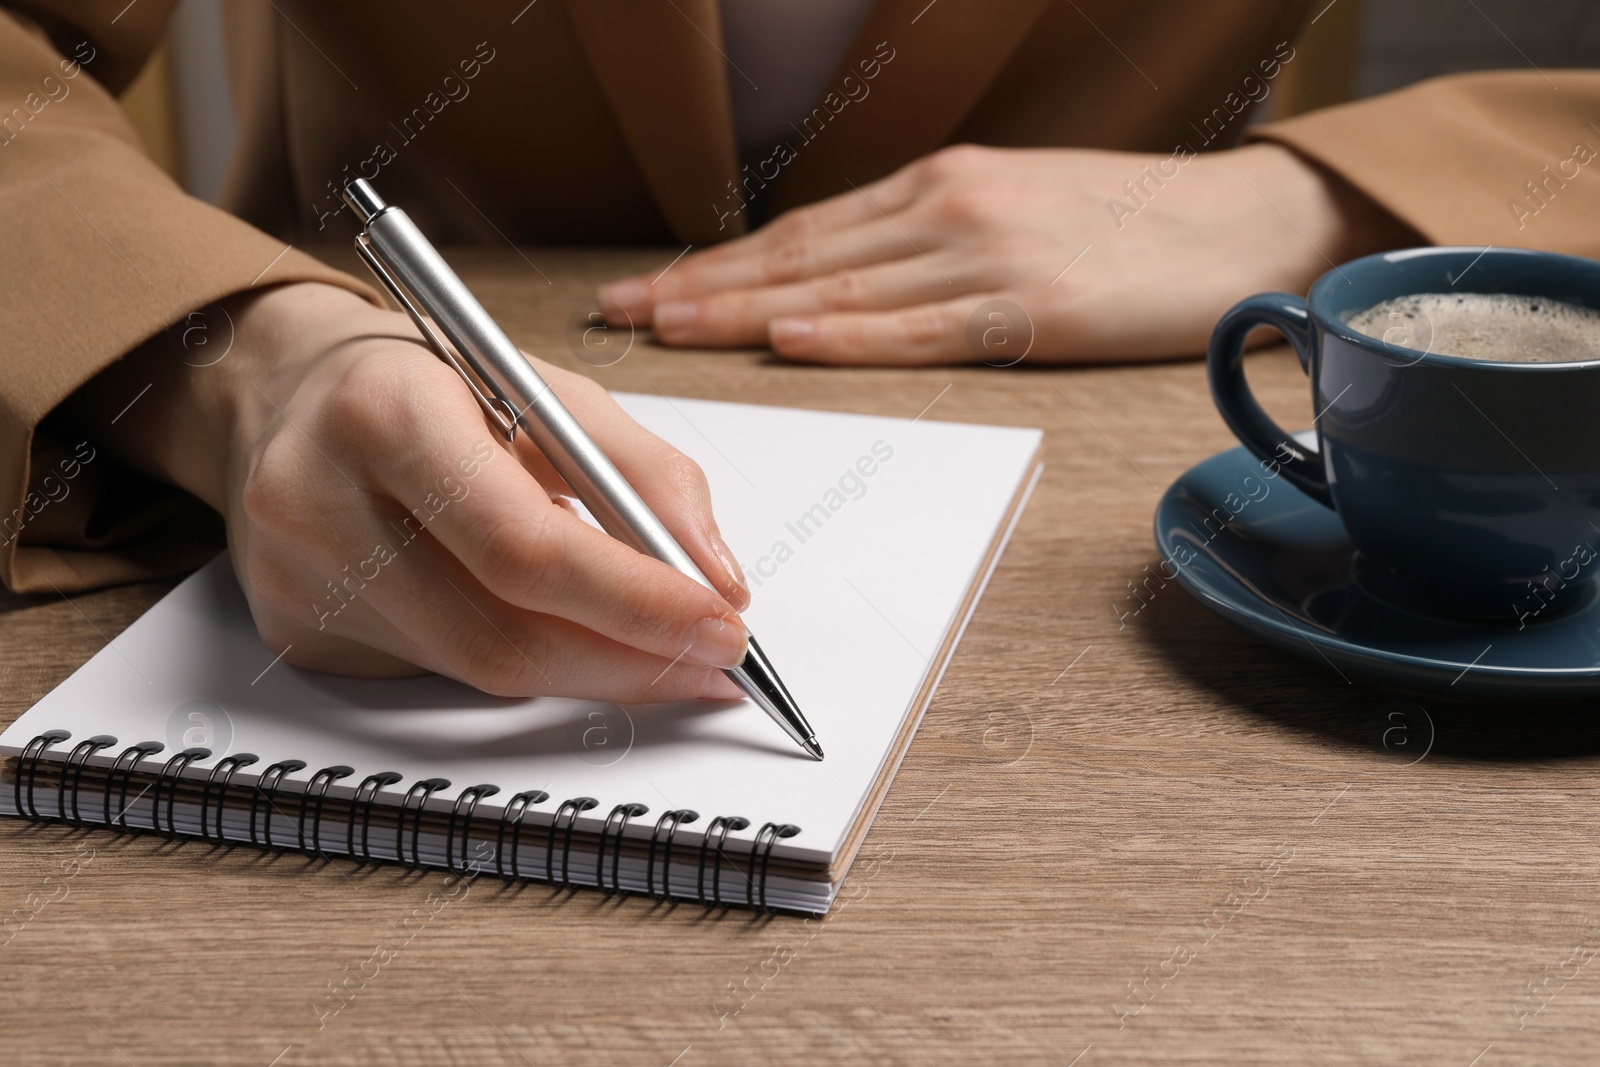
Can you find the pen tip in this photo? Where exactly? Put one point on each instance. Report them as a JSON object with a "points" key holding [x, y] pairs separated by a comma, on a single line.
{"points": [[814, 748]]}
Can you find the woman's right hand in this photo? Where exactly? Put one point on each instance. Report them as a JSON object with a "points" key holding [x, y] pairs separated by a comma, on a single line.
{"points": [[378, 525]]}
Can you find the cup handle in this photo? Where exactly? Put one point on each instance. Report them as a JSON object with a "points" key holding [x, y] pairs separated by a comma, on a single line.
{"points": [[1267, 440]]}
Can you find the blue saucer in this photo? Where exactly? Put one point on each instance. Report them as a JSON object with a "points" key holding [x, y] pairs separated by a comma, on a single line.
{"points": [[1271, 560]]}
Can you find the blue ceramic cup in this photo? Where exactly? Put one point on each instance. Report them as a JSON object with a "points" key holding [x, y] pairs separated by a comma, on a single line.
{"points": [[1469, 487]]}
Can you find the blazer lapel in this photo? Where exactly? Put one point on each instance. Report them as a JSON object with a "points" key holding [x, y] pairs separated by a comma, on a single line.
{"points": [[661, 69], [944, 55]]}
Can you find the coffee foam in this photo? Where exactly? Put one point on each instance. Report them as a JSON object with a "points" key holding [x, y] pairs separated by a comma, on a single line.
{"points": [[1493, 326]]}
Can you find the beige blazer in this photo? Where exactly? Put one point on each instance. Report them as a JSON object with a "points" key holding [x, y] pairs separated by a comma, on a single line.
{"points": [[607, 121]]}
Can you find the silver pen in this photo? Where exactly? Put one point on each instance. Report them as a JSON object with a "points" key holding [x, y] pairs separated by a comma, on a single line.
{"points": [[513, 394]]}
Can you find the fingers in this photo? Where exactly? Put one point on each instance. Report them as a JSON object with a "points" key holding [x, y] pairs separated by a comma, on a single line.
{"points": [[800, 254], [927, 334], [671, 483], [433, 456], [847, 230], [741, 316], [504, 530], [486, 655], [425, 608], [382, 525]]}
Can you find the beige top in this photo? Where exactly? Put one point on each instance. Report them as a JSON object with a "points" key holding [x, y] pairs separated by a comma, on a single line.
{"points": [[577, 121]]}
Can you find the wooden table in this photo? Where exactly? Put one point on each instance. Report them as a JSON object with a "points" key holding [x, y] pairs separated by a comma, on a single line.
{"points": [[1132, 841]]}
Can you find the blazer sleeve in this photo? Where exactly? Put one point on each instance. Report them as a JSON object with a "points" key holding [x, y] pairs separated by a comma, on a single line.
{"points": [[102, 251], [1506, 158]]}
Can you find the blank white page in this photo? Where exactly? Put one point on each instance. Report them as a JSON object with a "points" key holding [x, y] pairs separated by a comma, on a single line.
{"points": [[856, 579]]}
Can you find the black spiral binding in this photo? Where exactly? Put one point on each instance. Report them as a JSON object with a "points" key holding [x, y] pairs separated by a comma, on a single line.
{"points": [[518, 804], [670, 821], [469, 797], [422, 790], [721, 825], [571, 809], [76, 761], [366, 795], [266, 786], [174, 767], [318, 785], [221, 777], [622, 812], [124, 765], [766, 837], [29, 758], [313, 798]]}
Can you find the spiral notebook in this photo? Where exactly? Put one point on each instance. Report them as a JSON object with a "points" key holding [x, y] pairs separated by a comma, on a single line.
{"points": [[867, 542]]}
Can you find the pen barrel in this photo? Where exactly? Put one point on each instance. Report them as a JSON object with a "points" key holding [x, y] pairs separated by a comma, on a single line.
{"points": [[500, 365]]}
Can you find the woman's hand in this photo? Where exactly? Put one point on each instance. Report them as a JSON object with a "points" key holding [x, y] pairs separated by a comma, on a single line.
{"points": [[1109, 256], [379, 526]]}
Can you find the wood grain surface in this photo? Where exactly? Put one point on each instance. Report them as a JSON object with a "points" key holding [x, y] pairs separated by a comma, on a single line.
{"points": [[1115, 840]]}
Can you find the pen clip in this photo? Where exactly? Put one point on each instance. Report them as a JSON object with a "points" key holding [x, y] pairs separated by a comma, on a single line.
{"points": [[501, 412]]}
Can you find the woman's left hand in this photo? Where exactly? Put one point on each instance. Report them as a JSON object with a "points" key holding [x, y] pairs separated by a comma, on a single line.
{"points": [[982, 254]]}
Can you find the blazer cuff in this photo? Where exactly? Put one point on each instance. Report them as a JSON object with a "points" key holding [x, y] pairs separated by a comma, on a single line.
{"points": [[1496, 158]]}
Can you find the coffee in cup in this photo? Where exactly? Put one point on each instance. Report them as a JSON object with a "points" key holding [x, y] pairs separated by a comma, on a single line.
{"points": [[1503, 327]]}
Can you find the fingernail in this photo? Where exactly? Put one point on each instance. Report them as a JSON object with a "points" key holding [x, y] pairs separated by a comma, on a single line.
{"points": [[717, 643], [631, 296], [720, 687], [676, 315], [731, 565], [791, 335]]}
